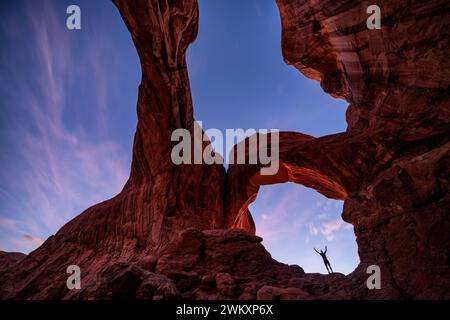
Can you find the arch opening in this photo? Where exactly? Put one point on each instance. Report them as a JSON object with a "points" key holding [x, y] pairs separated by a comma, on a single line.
{"points": [[293, 220]]}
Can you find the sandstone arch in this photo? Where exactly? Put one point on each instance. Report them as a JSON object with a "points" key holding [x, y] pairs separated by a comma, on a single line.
{"points": [[322, 164]]}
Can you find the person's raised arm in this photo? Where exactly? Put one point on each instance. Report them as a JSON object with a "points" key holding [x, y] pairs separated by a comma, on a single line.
{"points": [[316, 250], [325, 249]]}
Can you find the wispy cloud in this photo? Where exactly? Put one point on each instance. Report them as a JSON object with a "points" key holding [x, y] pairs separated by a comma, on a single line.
{"points": [[33, 240], [313, 230], [10, 224], [328, 230], [14, 237], [58, 166]]}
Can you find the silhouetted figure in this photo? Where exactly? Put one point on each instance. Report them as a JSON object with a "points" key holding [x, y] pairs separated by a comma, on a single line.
{"points": [[325, 259]]}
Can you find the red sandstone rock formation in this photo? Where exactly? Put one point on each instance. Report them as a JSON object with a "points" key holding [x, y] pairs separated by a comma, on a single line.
{"points": [[168, 233], [391, 165]]}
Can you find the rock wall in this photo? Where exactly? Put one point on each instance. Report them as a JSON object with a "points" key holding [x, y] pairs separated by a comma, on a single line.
{"points": [[391, 165], [170, 232], [396, 80]]}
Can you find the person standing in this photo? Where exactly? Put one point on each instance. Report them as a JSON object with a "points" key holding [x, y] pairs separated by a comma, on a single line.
{"points": [[325, 259]]}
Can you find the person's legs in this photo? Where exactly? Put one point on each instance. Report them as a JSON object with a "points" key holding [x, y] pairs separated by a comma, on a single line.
{"points": [[329, 265], [326, 266]]}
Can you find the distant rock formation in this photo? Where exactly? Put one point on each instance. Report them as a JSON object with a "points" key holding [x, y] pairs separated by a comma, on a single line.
{"points": [[171, 232]]}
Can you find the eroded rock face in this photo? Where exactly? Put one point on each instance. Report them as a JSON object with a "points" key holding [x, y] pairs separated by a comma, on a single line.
{"points": [[170, 233], [391, 165], [160, 198]]}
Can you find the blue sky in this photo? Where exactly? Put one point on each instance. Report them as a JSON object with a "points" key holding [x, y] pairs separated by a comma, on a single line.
{"points": [[68, 101]]}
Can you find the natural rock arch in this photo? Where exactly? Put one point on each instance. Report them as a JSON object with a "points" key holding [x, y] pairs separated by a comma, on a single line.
{"points": [[295, 164], [322, 164]]}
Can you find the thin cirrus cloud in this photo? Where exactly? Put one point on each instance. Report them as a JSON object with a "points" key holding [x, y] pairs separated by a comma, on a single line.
{"points": [[55, 137], [26, 242], [33, 240], [329, 229]]}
